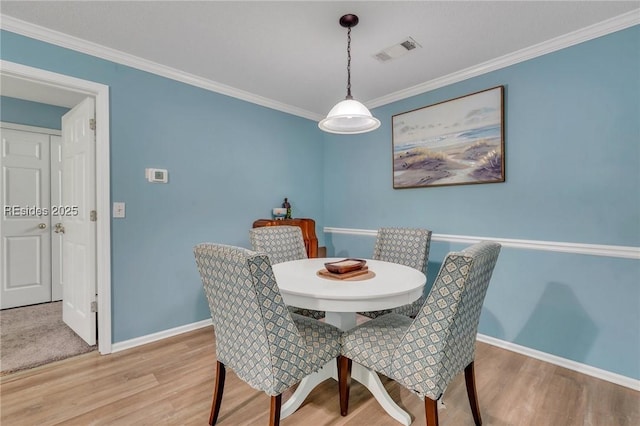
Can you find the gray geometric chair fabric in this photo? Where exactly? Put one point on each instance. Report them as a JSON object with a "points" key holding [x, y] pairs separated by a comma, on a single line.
{"points": [[405, 246], [426, 353], [282, 244], [256, 336]]}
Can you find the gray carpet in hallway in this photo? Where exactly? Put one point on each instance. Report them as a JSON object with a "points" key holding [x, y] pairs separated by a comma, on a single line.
{"points": [[35, 335]]}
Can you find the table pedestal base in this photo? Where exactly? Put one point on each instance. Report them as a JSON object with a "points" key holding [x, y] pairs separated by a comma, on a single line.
{"points": [[368, 378], [329, 371]]}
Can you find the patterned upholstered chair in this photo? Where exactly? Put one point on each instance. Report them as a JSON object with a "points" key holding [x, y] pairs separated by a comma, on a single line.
{"points": [[256, 336], [282, 244], [405, 246], [426, 353]]}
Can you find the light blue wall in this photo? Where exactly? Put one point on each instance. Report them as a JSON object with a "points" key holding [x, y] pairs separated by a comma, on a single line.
{"points": [[572, 167], [229, 163], [29, 113], [572, 175]]}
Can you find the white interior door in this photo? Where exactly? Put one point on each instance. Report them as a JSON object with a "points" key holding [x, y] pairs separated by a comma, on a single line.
{"points": [[55, 147], [25, 249], [78, 220]]}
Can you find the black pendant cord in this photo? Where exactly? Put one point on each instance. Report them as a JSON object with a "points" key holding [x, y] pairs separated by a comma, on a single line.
{"points": [[349, 64]]}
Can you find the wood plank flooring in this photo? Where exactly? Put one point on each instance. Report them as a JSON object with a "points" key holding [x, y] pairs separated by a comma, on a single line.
{"points": [[170, 382]]}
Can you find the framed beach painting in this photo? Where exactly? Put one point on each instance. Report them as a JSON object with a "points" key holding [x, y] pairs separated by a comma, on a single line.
{"points": [[456, 142]]}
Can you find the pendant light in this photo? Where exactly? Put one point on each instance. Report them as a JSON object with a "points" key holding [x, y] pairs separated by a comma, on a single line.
{"points": [[349, 116]]}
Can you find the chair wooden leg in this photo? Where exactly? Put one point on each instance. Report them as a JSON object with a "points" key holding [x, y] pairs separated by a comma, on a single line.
{"points": [[469, 377], [431, 411], [344, 382], [276, 405], [217, 393]]}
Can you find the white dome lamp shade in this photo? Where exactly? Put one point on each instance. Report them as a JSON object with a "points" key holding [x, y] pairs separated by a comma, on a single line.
{"points": [[349, 116]]}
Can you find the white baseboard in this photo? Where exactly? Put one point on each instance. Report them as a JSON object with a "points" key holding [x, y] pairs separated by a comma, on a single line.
{"points": [[532, 353], [598, 373], [143, 340]]}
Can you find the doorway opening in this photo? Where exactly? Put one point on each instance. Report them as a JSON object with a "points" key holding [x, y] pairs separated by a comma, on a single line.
{"points": [[31, 169], [23, 82]]}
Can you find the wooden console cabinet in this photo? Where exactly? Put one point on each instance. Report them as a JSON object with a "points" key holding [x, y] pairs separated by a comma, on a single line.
{"points": [[308, 227]]}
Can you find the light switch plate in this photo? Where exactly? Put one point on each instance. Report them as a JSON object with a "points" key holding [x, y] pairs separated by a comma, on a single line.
{"points": [[118, 210]]}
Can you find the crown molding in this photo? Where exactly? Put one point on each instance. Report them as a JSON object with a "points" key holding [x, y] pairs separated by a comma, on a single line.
{"points": [[63, 40], [57, 38], [600, 29], [623, 252]]}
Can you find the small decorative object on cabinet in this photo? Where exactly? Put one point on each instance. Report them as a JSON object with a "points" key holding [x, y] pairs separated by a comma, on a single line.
{"points": [[308, 227], [279, 213], [286, 205]]}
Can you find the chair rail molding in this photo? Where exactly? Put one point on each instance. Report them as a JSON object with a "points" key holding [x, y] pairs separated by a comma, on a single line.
{"points": [[624, 252]]}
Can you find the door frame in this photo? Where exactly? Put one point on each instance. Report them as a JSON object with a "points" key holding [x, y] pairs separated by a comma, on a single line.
{"points": [[103, 226]]}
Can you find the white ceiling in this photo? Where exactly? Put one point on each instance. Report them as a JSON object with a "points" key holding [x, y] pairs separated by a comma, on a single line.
{"points": [[29, 90], [294, 52]]}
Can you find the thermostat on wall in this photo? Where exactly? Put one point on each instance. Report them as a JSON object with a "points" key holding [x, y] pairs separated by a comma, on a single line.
{"points": [[157, 175]]}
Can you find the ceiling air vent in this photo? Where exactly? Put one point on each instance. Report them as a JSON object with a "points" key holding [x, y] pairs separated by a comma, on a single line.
{"points": [[397, 50]]}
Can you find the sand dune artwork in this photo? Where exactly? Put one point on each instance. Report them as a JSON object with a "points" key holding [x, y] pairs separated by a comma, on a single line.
{"points": [[456, 142]]}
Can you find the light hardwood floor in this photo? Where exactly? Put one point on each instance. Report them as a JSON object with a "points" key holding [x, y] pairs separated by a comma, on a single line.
{"points": [[170, 382]]}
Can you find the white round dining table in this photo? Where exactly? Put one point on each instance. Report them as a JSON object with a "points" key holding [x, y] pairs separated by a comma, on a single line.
{"points": [[387, 285]]}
